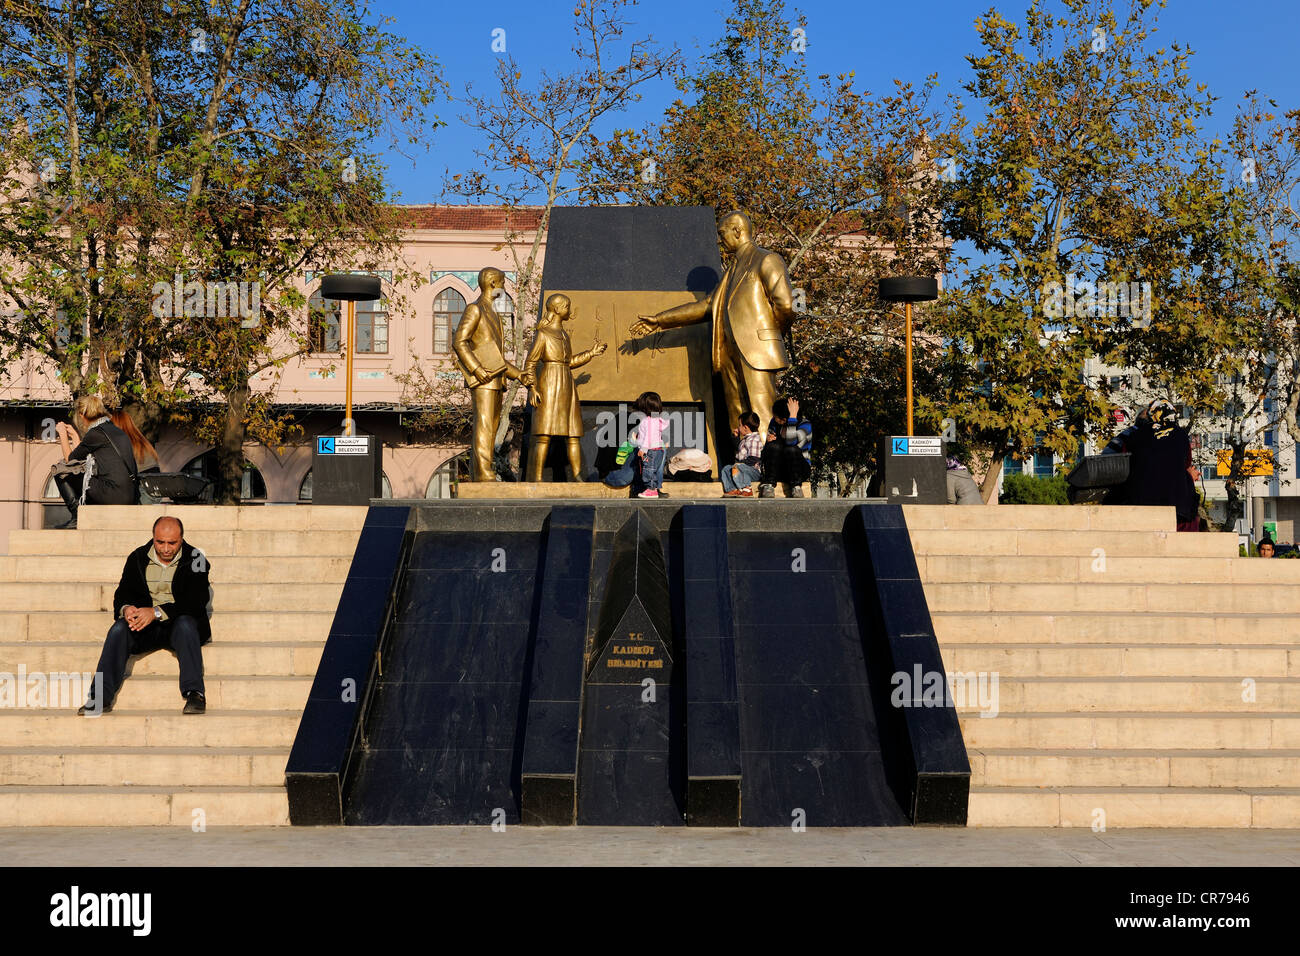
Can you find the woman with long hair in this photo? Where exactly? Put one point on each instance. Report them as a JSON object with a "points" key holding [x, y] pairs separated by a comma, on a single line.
{"points": [[146, 456], [110, 474]]}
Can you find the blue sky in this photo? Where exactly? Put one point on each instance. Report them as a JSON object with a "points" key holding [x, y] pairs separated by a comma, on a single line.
{"points": [[1238, 46]]}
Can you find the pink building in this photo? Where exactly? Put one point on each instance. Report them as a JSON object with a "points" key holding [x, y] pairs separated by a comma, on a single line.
{"points": [[445, 245]]}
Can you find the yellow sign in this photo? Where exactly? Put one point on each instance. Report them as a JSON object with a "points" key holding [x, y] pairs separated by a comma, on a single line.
{"points": [[1257, 464]]}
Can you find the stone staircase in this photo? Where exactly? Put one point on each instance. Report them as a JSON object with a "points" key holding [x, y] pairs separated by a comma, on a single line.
{"points": [[1145, 678], [277, 574]]}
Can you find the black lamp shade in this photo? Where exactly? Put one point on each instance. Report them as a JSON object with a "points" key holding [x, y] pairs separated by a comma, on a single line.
{"points": [[909, 289], [350, 288]]}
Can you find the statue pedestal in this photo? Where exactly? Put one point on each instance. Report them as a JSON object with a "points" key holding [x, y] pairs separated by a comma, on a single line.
{"points": [[529, 490], [542, 490]]}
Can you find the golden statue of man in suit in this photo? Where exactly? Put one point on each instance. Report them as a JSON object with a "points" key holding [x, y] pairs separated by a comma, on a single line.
{"points": [[480, 355], [751, 308]]}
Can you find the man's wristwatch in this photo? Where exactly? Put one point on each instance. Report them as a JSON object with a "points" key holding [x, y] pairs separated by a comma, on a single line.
{"points": [[157, 614]]}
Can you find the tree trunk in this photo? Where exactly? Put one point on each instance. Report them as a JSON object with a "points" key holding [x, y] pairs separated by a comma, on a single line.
{"points": [[230, 450], [989, 487]]}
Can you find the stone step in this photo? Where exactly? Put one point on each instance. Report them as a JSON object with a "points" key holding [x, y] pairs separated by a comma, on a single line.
{"points": [[1155, 660], [1121, 807], [927, 541], [268, 659], [225, 518], [41, 569], [215, 543], [227, 627], [1011, 569], [1135, 768], [74, 596], [1267, 730], [153, 767], [143, 806], [1001, 598], [1138, 694], [1111, 627], [20, 727], [1041, 517], [224, 694]]}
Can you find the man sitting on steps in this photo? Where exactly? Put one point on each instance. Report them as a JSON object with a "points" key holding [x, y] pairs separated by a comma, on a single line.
{"points": [[161, 601]]}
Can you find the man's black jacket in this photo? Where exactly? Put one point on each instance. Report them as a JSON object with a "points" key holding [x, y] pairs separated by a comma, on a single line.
{"points": [[189, 587]]}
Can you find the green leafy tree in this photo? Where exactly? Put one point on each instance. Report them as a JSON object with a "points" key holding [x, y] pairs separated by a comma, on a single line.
{"points": [[839, 181], [215, 142], [535, 140], [1086, 166]]}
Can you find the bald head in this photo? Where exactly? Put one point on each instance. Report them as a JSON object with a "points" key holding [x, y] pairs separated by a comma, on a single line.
{"points": [[735, 230], [168, 533]]}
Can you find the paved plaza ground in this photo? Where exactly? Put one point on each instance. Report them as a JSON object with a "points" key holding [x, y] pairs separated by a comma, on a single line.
{"points": [[617, 846]]}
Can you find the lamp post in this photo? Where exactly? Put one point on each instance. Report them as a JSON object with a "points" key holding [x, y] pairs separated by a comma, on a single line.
{"points": [[348, 469], [909, 289], [350, 289]]}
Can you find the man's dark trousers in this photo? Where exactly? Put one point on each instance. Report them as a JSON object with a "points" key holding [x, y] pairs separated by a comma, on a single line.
{"points": [[181, 634]]}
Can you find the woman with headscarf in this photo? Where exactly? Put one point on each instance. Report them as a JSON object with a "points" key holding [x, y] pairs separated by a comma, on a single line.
{"points": [[1158, 471]]}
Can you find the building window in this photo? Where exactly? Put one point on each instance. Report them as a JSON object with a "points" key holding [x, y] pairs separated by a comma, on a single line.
{"points": [[442, 479], [1268, 438], [1012, 466], [252, 487], [1044, 465], [372, 327], [448, 307], [1209, 472], [325, 325], [505, 307]]}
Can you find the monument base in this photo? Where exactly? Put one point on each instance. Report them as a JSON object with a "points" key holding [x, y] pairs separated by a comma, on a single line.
{"points": [[527, 490], [543, 490]]}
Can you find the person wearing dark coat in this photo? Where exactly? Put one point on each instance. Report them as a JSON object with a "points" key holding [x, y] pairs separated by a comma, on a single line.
{"points": [[1158, 470], [112, 476], [161, 601]]}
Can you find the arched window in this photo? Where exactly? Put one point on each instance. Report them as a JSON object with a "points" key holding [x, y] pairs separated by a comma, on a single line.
{"points": [[505, 307], [448, 307], [252, 486], [442, 479], [325, 325]]}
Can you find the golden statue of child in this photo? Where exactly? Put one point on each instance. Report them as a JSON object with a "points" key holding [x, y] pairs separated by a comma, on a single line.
{"points": [[548, 373]]}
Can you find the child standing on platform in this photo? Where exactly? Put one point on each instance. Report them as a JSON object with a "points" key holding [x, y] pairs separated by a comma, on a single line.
{"points": [[649, 440]]}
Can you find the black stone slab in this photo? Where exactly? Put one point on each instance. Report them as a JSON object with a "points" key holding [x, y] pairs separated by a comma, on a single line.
{"points": [[634, 630], [323, 752], [553, 703], [443, 737], [811, 748], [713, 757], [925, 756], [324, 747], [630, 766], [632, 248]]}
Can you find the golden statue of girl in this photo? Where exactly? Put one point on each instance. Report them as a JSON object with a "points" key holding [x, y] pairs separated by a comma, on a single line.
{"points": [[548, 373]]}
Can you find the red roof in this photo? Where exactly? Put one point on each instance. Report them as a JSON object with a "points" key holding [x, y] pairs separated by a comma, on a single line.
{"points": [[481, 218]]}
